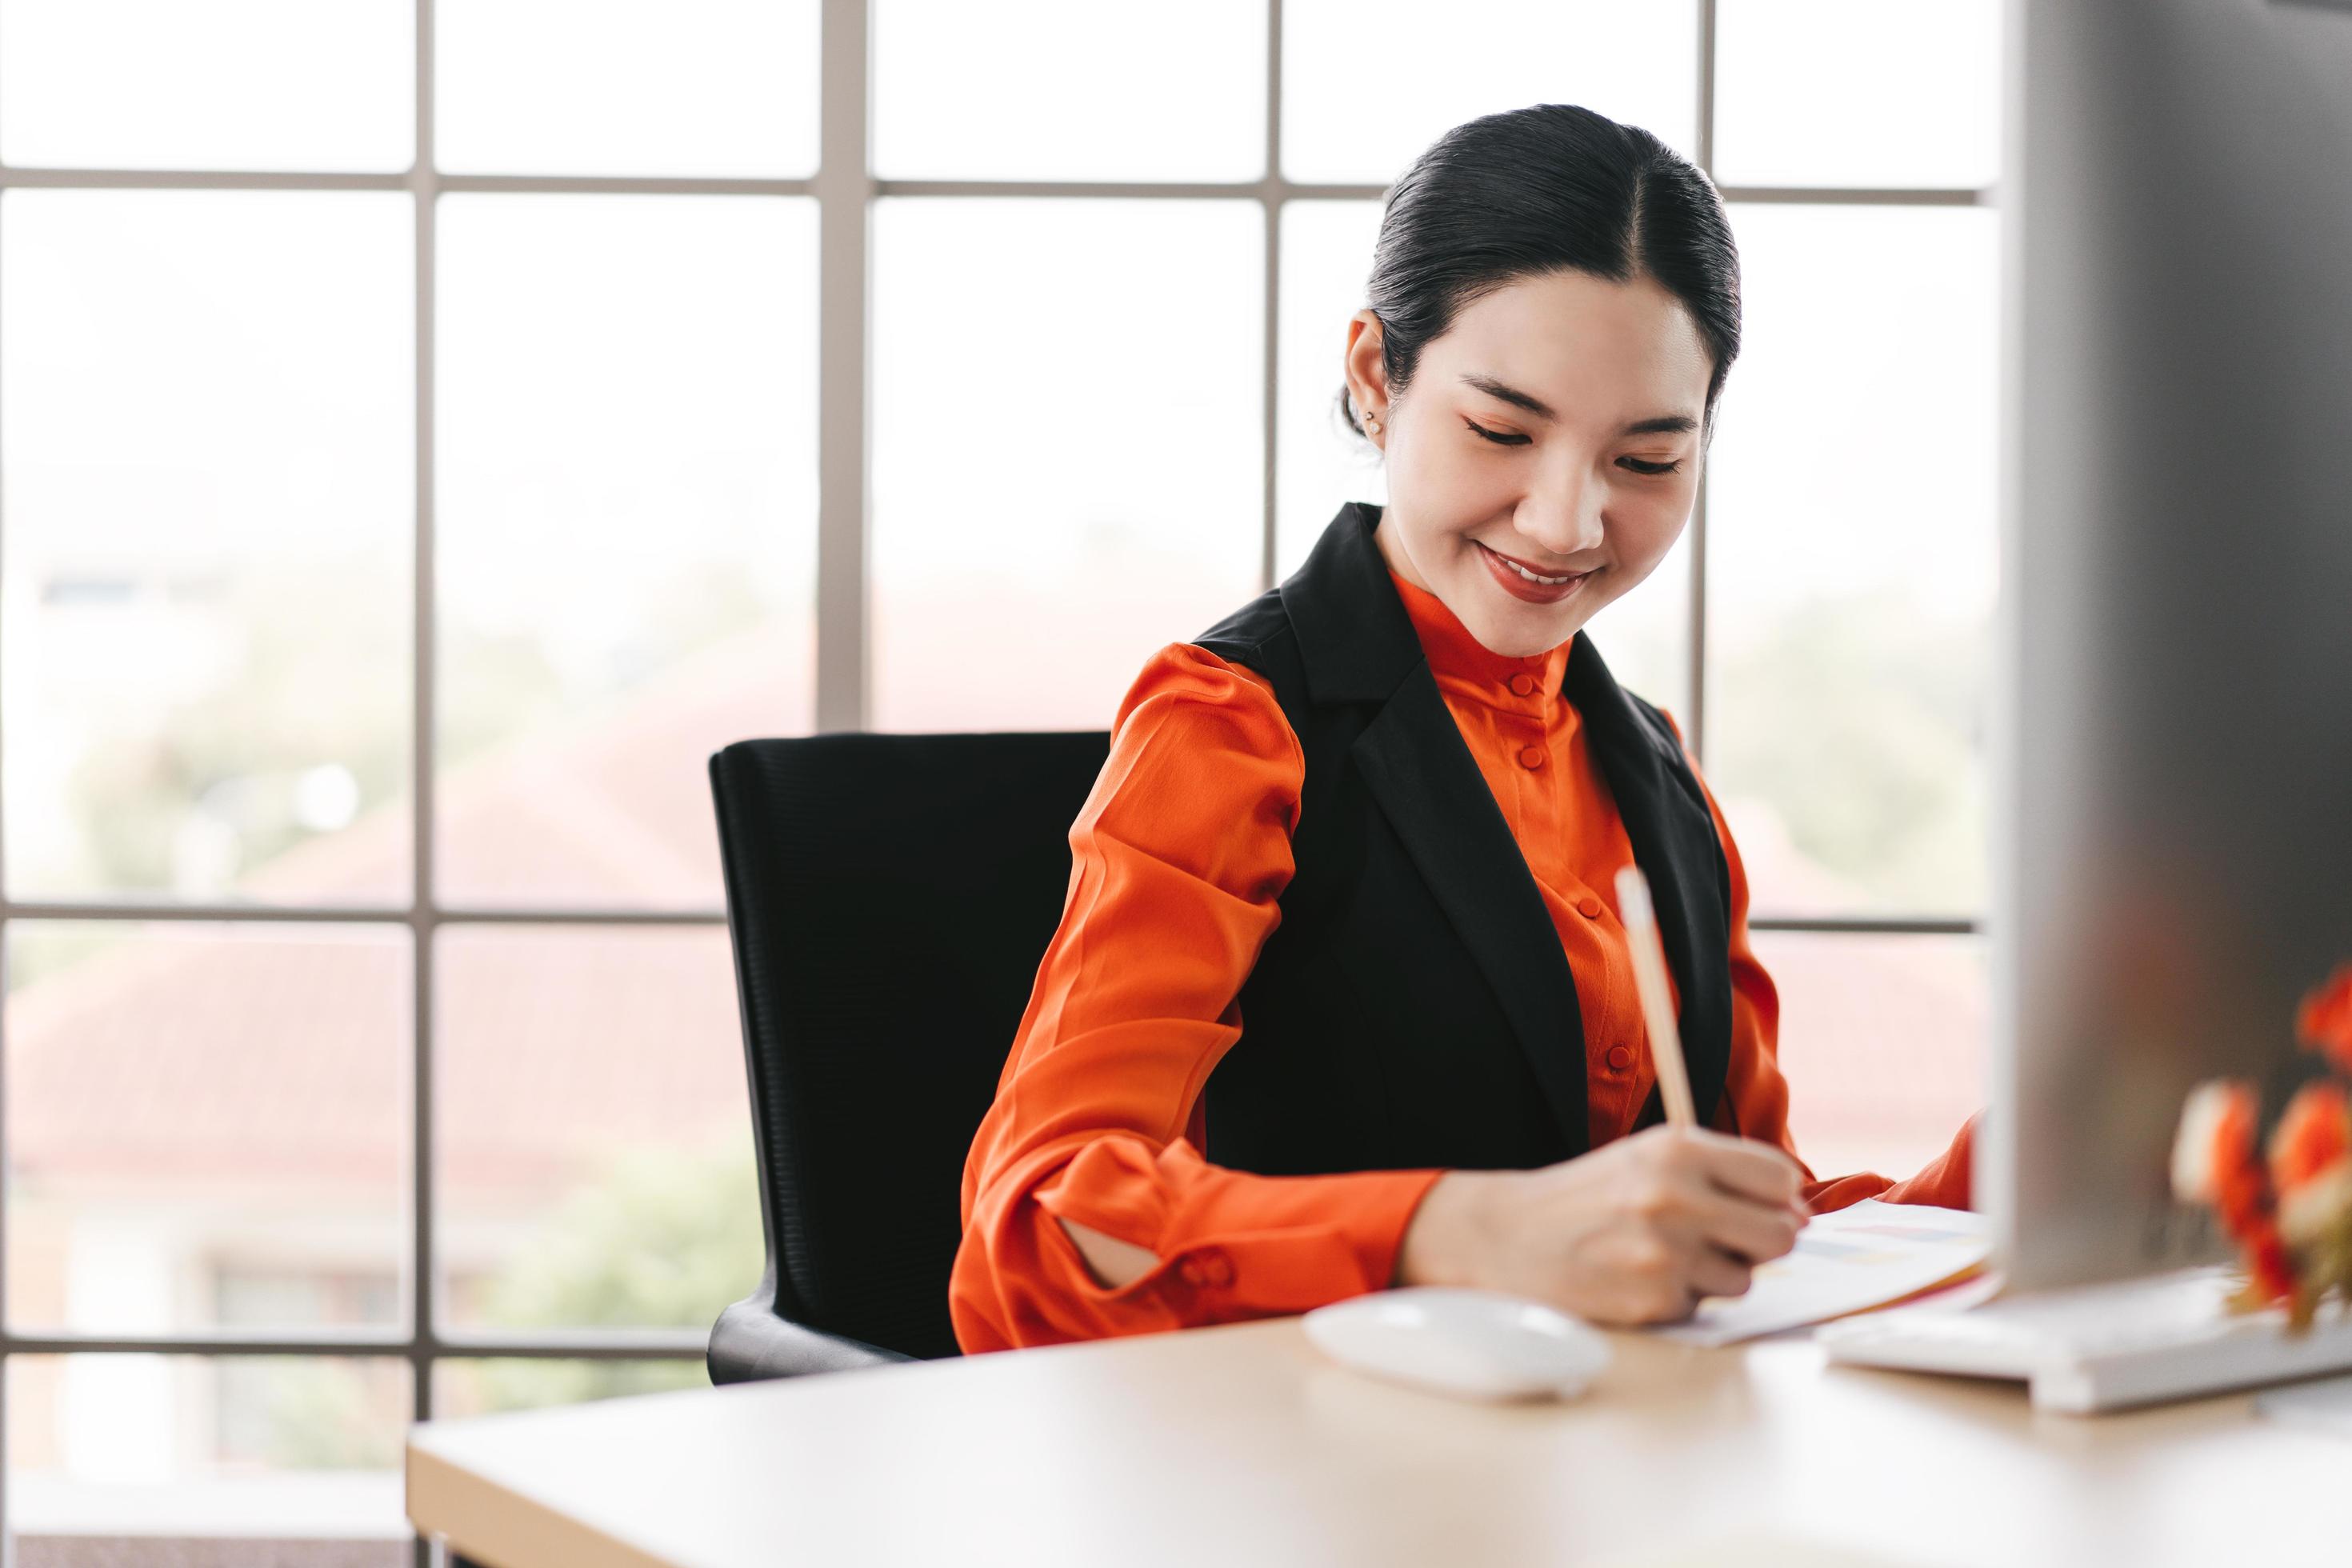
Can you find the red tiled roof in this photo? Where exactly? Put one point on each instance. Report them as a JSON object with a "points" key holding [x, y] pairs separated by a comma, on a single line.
{"points": [[278, 1054]]}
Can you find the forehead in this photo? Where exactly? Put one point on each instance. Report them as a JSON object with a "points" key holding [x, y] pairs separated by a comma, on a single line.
{"points": [[1583, 344]]}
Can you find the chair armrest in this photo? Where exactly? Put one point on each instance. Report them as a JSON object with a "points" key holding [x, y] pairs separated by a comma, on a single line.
{"points": [[750, 1344]]}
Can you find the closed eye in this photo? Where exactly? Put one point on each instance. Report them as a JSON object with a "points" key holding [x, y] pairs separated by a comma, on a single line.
{"points": [[1504, 438], [1500, 438]]}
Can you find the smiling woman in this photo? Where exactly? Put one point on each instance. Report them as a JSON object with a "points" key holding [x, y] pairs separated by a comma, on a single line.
{"points": [[1378, 812], [1544, 475]]}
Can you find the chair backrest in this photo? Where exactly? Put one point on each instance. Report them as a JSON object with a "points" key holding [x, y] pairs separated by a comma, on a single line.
{"points": [[889, 898]]}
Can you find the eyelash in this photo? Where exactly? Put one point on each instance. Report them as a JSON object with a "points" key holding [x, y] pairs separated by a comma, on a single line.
{"points": [[1639, 467]]}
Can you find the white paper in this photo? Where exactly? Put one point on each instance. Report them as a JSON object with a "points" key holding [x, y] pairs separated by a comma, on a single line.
{"points": [[1847, 1261]]}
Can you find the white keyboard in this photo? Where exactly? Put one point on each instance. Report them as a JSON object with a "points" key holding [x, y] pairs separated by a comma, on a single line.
{"points": [[2102, 1347]]}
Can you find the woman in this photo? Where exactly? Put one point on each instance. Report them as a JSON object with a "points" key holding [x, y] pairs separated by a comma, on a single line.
{"points": [[1378, 814]]}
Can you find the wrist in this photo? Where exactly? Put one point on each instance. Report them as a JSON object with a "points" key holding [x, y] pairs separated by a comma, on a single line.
{"points": [[1443, 1239]]}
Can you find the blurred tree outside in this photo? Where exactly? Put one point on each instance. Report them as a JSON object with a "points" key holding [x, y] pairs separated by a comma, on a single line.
{"points": [[309, 730], [316, 676], [658, 1237], [663, 1236], [299, 1413], [1860, 722]]}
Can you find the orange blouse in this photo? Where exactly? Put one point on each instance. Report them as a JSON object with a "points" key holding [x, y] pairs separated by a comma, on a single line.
{"points": [[1179, 858]]}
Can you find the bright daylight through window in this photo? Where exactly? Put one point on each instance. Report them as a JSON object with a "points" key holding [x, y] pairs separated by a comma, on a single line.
{"points": [[410, 428]]}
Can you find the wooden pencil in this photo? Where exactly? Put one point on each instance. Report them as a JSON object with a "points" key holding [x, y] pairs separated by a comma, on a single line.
{"points": [[1641, 920]]}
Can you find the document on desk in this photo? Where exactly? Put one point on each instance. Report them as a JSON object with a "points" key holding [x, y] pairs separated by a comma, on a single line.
{"points": [[1851, 1260]]}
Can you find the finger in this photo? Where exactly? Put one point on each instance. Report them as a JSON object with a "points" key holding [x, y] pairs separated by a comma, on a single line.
{"points": [[1754, 1170], [1754, 1232], [1717, 1274]]}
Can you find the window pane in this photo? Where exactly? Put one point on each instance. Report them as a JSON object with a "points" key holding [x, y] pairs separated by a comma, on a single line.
{"points": [[1883, 1040], [207, 1126], [1368, 84], [489, 1385], [179, 1461], [1327, 254], [627, 1195], [1851, 557], [229, 84], [708, 87], [1069, 90], [206, 406], [1646, 636], [627, 533], [1068, 459], [1858, 92]]}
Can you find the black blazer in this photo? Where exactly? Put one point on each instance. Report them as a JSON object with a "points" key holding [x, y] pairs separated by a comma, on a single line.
{"points": [[1414, 1007]]}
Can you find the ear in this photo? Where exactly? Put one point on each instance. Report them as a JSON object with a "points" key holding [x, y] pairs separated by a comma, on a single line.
{"points": [[1367, 375]]}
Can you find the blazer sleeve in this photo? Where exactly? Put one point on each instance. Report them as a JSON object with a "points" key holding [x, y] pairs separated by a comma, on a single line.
{"points": [[1756, 1096], [1178, 859]]}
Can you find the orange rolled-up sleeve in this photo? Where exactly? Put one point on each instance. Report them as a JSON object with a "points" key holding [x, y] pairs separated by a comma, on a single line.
{"points": [[1178, 859], [1756, 1097]]}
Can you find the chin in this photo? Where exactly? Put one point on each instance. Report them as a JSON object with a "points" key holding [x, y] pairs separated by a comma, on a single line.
{"points": [[1515, 629], [1521, 631]]}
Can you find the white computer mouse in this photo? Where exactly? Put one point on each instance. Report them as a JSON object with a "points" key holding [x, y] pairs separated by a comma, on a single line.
{"points": [[1474, 1344]]}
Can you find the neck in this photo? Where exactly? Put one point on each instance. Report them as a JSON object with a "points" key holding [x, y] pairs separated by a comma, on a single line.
{"points": [[1385, 538]]}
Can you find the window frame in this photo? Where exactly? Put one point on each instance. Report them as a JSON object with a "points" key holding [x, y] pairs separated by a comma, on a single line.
{"points": [[845, 190]]}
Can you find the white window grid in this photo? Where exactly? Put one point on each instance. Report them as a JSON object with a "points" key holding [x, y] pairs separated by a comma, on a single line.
{"points": [[845, 190]]}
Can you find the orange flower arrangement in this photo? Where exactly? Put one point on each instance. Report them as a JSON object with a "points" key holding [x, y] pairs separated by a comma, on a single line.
{"points": [[2289, 1204], [2326, 1021]]}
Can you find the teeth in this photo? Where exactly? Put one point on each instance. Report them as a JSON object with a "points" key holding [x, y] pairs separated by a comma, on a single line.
{"points": [[1550, 582]]}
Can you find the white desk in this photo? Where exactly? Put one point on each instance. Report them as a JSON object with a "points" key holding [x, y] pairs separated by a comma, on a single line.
{"points": [[1242, 1445]]}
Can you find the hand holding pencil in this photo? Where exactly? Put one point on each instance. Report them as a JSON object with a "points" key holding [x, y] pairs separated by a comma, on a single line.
{"points": [[1636, 1231]]}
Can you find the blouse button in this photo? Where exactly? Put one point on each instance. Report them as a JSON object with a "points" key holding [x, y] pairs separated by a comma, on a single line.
{"points": [[1620, 1059], [1588, 906], [1532, 756], [1212, 1268], [1523, 684]]}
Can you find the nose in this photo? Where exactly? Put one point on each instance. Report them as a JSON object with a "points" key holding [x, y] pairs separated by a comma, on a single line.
{"points": [[1563, 515]]}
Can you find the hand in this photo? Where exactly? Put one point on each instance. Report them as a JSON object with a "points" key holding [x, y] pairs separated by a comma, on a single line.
{"points": [[1634, 1232]]}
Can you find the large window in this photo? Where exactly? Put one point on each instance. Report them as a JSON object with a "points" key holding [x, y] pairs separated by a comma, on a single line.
{"points": [[428, 431]]}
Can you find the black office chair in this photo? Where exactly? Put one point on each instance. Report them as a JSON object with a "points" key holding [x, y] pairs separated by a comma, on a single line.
{"points": [[889, 898]]}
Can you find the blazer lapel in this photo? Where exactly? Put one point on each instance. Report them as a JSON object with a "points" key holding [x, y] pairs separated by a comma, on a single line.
{"points": [[1414, 761], [1357, 645]]}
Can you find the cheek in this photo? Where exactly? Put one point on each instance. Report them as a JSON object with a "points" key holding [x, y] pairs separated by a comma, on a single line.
{"points": [[1452, 479]]}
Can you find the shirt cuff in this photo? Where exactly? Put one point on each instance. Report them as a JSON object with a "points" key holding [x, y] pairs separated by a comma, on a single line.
{"points": [[1232, 1244]]}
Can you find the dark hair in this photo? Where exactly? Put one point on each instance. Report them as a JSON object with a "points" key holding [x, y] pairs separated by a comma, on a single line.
{"points": [[1544, 189]]}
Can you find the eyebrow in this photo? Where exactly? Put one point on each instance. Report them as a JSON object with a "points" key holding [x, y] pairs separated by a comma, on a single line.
{"points": [[1663, 424]]}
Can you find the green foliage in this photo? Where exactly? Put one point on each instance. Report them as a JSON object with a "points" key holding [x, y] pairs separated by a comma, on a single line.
{"points": [[316, 1415], [662, 1237], [519, 1382], [321, 672], [321, 675], [1861, 724]]}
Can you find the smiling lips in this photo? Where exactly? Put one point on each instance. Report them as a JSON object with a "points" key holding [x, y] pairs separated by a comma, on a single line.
{"points": [[1524, 582]]}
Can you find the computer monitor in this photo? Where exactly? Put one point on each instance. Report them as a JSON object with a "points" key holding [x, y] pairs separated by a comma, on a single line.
{"points": [[2173, 726]]}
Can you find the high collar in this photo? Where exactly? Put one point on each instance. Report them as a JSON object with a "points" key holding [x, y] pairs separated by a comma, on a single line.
{"points": [[1454, 652], [1358, 642]]}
